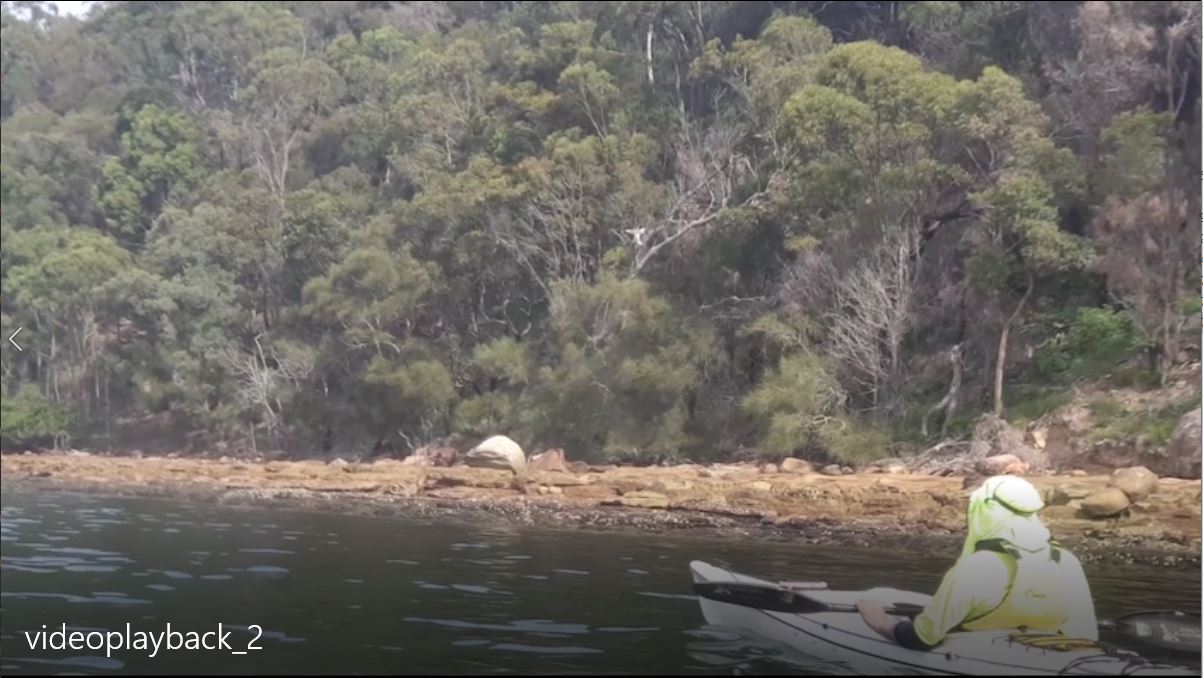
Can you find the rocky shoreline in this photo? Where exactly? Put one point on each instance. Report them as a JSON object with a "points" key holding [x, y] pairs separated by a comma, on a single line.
{"points": [[862, 510]]}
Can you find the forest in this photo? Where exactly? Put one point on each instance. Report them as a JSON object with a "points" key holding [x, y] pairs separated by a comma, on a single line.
{"points": [[639, 231]]}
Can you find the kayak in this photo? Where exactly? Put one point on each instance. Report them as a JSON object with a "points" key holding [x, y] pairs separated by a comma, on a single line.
{"points": [[842, 638]]}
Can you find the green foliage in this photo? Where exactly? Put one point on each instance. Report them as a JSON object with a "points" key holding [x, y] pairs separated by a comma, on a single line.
{"points": [[796, 402], [1114, 421], [1027, 404], [28, 419], [1095, 341], [370, 225]]}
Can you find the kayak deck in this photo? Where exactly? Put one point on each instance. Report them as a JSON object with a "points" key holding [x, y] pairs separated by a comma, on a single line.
{"points": [[844, 638]]}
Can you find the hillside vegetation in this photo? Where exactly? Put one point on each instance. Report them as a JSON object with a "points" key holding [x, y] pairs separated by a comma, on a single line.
{"points": [[638, 231]]}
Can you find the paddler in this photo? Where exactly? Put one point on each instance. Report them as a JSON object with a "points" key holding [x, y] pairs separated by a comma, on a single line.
{"points": [[1010, 575]]}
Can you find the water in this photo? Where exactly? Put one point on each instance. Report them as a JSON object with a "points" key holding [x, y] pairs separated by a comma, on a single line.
{"points": [[340, 594]]}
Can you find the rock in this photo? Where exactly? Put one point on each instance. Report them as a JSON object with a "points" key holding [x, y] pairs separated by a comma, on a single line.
{"points": [[224, 459], [1003, 465], [769, 518], [792, 465], [760, 486], [640, 499], [578, 467], [847, 470], [1065, 493], [895, 468], [543, 489], [435, 455], [1040, 438], [78, 453], [551, 460], [1137, 482], [671, 485], [1105, 503], [416, 460], [1184, 449], [602, 468], [1078, 473], [555, 490], [769, 469], [832, 470], [992, 437], [339, 463], [497, 452]]}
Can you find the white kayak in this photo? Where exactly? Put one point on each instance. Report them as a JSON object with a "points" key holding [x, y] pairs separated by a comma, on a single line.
{"points": [[843, 639]]}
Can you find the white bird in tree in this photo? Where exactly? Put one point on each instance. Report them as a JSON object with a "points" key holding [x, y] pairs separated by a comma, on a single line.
{"points": [[637, 234]]}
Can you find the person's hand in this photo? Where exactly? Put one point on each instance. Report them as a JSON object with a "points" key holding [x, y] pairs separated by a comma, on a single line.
{"points": [[876, 618]]}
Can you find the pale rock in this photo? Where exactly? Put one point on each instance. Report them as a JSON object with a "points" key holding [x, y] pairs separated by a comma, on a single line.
{"points": [[1004, 465], [1185, 447], [760, 486], [551, 460], [1105, 503], [793, 465], [1137, 482], [339, 463], [1078, 473], [896, 468], [832, 470], [499, 452], [769, 469]]}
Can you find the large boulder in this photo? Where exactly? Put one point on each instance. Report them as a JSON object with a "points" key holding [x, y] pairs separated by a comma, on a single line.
{"points": [[1065, 493], [1105, 503], [792, 465], [497, 452], [1003, 465], [1137, 482], [1185, 446], [551, 460]]}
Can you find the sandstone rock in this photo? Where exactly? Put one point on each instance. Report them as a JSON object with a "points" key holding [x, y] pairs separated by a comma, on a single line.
{"points": [[641, 499], [760, 486], [543, 489], [435, 455], [847, 470], [551, 460], [1184, 449], [993, 436], [603, 468], [1105, 503], [832, 470], [224, 459], [1137, 482], [671, 485], [1065, 493], [555, 490], [578, 467], [792, 465], [1003, 464], [1040, 438], [338, 463], [769, 469], [497, 452], [415, 460], [895, 468], [1078, 473]]}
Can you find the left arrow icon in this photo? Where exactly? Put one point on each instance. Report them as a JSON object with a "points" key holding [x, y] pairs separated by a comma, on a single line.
{"points": [[12, 339]]}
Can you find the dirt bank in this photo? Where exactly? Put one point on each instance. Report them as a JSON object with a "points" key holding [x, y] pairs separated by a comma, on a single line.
{"points": [[863, 510]]}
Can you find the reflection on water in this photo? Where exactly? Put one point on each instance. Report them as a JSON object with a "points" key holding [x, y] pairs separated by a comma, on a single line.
{"points": [[337, 594]]}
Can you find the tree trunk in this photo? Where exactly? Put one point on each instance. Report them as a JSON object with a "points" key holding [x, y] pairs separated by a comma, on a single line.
{"points": [[1001, 362]]}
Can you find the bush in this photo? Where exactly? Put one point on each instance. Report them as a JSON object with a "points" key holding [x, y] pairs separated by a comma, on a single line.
{"points": [[1094, 342], [1114, 422], [855, 442], [28, 419], [1025, 406], [795, 402]]}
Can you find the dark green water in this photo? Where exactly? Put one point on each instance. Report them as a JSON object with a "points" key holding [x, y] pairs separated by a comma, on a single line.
{"points": [[339, 594]]}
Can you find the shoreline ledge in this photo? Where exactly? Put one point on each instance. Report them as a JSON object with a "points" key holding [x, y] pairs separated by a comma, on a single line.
{"points": [[860, 510]]}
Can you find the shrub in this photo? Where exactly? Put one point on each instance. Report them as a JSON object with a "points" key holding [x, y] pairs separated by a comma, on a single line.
{"points": [[1094, 342], [29, 419]]}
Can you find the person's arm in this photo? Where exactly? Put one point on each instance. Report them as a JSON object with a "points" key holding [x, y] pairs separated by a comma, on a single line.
{"points": [[1082, 622], [974, 586]]}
